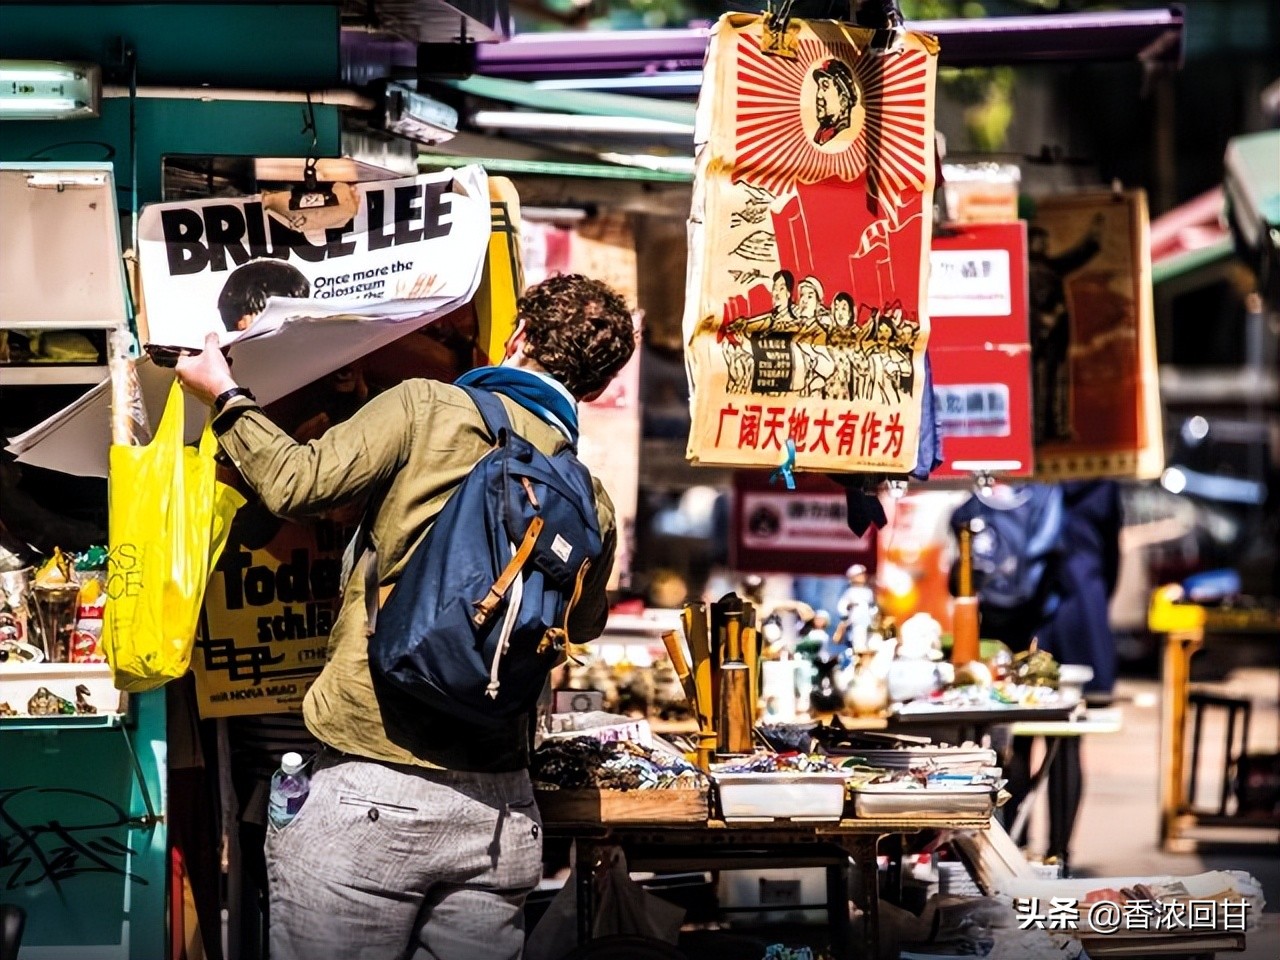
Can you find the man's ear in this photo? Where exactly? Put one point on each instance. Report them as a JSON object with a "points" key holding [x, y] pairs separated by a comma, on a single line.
{"points": [[515, 342]]}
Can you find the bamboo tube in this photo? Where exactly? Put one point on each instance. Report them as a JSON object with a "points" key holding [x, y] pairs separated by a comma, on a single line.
{"points": [[671, 640], [694, 620], [751, 656], [965, 643]]}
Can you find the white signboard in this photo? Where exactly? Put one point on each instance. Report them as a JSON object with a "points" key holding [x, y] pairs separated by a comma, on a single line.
{"points": [[970, 283], [229, 266], [796, 520]]}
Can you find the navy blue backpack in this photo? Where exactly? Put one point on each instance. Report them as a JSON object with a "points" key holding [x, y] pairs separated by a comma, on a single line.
{"points": [[1015, 552], [480, 614]]}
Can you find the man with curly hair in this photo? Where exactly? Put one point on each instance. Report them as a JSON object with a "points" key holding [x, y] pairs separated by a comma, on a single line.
{"points": [[419, 837]]}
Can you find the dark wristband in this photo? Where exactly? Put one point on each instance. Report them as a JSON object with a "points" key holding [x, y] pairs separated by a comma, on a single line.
{"points": [[225, 397]]}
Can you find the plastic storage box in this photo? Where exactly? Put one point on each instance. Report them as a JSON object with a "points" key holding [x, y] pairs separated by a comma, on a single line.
{"points": [[780, 796]]}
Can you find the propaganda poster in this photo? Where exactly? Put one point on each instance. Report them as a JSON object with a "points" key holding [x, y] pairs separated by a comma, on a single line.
{"points": [[1096, 394], [806, 318]]}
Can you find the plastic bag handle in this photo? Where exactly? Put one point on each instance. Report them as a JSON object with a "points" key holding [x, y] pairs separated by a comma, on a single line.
{"points": [[173, 421]]}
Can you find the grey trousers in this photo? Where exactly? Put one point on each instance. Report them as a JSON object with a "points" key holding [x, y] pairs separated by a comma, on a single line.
{"points": [[395, 863]]}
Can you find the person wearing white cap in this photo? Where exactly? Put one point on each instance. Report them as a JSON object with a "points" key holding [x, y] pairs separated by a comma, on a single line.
{"points": [[816, 366]]}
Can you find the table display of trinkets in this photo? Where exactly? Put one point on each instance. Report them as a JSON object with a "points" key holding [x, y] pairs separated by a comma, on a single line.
{"points": [[582, 780]]}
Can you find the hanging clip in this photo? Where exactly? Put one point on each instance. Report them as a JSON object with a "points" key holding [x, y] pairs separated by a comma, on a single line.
{"points": [[891, 38], [786, 472], [780, 37]]}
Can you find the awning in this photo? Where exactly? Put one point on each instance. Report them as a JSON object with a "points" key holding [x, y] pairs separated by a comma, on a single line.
{"points": [[1252, 185], [1189, 237], [1146, 35]]}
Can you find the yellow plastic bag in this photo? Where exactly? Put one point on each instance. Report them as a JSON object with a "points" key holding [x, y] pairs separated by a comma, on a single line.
{"points": [[169, 519]]}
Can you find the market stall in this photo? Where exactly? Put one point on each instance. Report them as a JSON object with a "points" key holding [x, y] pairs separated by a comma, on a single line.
{"points": [[769, 739]]}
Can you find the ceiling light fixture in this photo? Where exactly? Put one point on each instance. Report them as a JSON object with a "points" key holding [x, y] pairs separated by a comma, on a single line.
{"points": [[416, 116], [49, 90]]}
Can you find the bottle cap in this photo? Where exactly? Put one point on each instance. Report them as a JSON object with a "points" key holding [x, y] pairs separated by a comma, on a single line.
{"points": [[291, 763]]}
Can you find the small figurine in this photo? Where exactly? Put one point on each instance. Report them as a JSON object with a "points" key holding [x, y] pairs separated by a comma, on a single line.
{"points": [[920, 638], [825, 697], [816, 639], [44, 703], [1035, 667], [867, 691], [6, 710], [82, 700], [857, 608]]}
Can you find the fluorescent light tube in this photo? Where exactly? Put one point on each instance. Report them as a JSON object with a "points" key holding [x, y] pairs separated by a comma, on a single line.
{"points": [[60, 180], [49, 90], [576, 123], [38, 105]]}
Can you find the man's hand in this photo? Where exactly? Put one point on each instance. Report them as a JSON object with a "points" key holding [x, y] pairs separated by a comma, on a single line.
{"points": [[207, 375]]}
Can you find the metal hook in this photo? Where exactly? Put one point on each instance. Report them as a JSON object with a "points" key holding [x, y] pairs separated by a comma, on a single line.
{"points": [[779, 17], [309, 126]]}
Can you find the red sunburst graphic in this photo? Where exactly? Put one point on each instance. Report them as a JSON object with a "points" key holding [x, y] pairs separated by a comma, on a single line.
{"points": [[774, 150]]}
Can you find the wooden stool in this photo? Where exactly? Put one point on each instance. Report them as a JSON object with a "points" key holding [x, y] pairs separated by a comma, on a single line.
{"points": [[1200, 701]]}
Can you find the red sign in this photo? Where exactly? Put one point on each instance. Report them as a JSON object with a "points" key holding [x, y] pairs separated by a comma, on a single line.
{"points": [[980, 350], [801, 531]]}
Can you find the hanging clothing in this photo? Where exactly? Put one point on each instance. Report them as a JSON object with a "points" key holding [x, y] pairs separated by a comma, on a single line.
{"points": [[1080, 632]]}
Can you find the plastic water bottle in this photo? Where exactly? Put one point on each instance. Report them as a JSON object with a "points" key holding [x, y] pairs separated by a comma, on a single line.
{"points": [[289, 788]]}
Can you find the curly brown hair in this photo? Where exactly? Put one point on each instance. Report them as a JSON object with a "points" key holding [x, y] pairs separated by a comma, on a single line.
{"points": [[578, 329]]}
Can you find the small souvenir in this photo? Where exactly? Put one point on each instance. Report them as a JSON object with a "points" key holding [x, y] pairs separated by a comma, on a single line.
{"points": [[82, 700], [857, 608], [6, 710], [44, 703]]}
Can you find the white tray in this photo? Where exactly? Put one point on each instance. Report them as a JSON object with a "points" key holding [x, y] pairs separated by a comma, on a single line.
{"points": [[780, 796], [891, 800]]}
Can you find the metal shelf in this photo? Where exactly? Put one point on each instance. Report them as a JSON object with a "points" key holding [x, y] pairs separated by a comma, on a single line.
{"points": [[52, 375], [63, 722]]}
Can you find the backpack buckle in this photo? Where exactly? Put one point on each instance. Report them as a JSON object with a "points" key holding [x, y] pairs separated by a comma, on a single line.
{"points": [[485, 606], [554, 639]]}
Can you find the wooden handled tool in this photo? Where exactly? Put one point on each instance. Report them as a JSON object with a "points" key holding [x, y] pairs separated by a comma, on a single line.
{"points": [[671, 640], [751, 656], [734, 722], [696, 631]]}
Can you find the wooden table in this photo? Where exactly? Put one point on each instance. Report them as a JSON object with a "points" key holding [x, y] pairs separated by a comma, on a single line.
{"points": [[1108, 720], [1185, 627], [717, 845]]}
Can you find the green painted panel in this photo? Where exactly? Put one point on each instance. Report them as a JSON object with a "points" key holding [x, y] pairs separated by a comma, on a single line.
{"points": [[69, 854], [230, 45], [168, 127]]}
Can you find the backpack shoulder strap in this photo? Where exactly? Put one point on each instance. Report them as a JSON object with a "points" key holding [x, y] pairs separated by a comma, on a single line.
{"points": [[491, 410]]}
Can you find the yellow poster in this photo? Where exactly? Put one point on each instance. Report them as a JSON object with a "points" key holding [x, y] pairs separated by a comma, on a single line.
{"points": [[268, 614], [805, 322]]}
